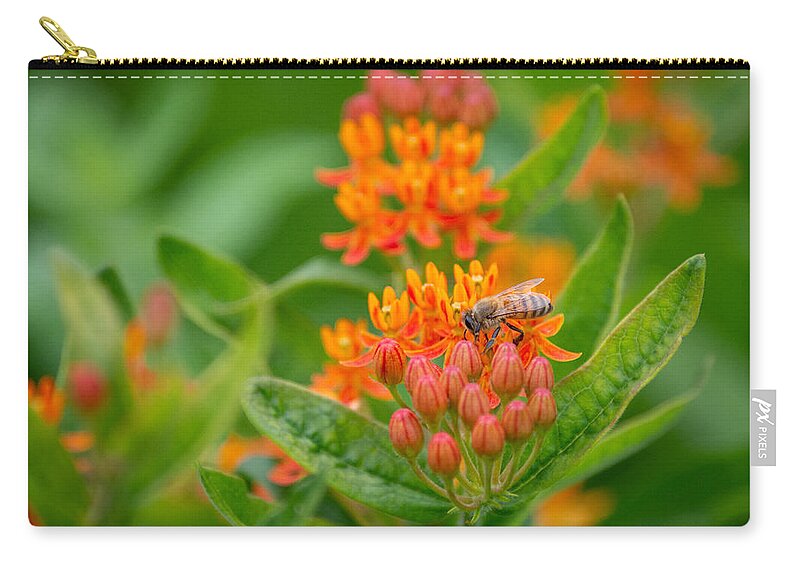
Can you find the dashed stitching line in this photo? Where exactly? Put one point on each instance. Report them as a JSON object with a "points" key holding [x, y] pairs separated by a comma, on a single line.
{"points": [[363, 77]]}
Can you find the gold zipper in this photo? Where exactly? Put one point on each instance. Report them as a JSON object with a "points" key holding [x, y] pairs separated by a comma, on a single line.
{"points": [[75, 55], [72, 52]]}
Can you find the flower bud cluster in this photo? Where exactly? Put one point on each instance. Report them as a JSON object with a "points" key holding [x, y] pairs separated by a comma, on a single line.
{"points": [[476, 451], [445, 96]]}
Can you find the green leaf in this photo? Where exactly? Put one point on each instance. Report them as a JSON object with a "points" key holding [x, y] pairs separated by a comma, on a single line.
{"points": [[230, 496], [592, 398], [354, 452], [90, 315], [110, 279], [205, 283], [321, 271], [628, 438], [57, 493], [590, 300], [539, 180]]}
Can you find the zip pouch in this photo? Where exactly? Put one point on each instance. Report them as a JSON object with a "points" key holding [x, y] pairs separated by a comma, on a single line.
{"points": [[382, 292]]}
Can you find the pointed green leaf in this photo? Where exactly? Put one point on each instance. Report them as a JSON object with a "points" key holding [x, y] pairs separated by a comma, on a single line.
{"points": [[590, 300], [324, 272], [205, 284], [230, 496], [354, 452], [591, 399], [57, 493], [540, 179], [110, 279], [93, 323]]}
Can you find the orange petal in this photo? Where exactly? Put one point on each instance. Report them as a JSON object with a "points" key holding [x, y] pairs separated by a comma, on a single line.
{"points": [[433, 351], [376, 314], [551, 326], [333, 176], [554, 352], [360, 361], [376, 390], [286, 473], [413, 326], [336, 240]]}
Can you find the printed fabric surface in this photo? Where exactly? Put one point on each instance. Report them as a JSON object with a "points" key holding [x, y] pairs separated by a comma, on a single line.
{"points": [[282, 295]]}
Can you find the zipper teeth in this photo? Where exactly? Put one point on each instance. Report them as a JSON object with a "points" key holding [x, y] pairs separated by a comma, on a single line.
{"points": [[439, 63]]}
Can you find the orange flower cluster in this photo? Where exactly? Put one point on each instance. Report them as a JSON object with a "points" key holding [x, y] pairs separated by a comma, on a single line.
{"points": [[426, 319], [433, 188], [657, 143]]}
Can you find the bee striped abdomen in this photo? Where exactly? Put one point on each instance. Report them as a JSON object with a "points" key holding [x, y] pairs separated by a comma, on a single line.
{"points": [[528, 306]]}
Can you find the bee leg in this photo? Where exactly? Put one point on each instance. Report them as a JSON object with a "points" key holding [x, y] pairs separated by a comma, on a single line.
{"points": [[492, 339], [517, 339]]}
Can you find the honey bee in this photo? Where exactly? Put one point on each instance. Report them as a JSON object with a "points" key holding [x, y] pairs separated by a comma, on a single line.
{"points": [[517, 302]]}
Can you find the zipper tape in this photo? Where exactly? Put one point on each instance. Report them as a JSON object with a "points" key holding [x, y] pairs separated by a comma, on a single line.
{"points": [[392, 63]]}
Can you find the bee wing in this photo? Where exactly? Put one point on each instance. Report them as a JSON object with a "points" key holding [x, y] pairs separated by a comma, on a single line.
{"points": [[518, 303], [523, 287]]}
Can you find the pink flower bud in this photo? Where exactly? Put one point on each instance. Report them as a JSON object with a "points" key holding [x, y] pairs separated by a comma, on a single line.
{"points": [[444, 457], [465, 355], [430, 399], [419, 366], [473, 404], [159, 314], [488, 438], [539, 374], [361, 104], [507, 374], [389, 362], [87, 385], [479, 107], [542, 405], [517, 421], [443, 100], [406, 433], [453, 380], [396, 92]]}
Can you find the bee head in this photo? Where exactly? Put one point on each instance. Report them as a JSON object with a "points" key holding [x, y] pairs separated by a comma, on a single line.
{"points": [[471, 323]]}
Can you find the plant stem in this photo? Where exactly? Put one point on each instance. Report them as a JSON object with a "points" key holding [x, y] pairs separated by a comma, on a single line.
{"points": [[463, 447], [396, 395], [458, 501], [487, 479], [531, 458], [427, 480]]}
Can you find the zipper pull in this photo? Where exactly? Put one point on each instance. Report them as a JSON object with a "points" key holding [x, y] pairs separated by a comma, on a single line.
{"points": [[72, 52]]}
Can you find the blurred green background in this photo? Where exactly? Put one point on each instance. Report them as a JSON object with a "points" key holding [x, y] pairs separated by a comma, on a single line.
{"points": [[229, 165]]}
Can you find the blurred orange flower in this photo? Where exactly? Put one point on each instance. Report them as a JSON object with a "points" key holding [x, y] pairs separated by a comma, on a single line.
{"points": [[524, 258], [237, 449], [574, 506], [45, 399], [653, 142]]}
